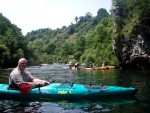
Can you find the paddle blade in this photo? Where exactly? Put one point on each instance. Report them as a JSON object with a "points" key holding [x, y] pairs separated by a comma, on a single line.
{"points": [[25, 88]]}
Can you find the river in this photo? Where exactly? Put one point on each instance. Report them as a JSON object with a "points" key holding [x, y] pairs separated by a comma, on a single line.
{"points": [[59, 73]]}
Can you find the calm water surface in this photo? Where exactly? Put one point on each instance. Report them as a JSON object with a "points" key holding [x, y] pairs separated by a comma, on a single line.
{"points": [[59, 73]]}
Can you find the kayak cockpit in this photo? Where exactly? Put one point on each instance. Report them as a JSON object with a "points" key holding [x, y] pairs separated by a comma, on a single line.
{"points": [[95, 86]]}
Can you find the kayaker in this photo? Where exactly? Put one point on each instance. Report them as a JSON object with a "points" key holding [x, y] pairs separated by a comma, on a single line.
{"points": [[77, 65], [91, 65], [103, 64], [70, 65], [20, 74]]}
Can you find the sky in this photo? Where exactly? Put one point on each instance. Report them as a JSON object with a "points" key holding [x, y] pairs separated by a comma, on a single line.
{"points": [[31, 15]]}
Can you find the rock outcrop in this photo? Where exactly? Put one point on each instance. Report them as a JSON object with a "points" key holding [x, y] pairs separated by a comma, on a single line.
{"points": [[133, 47]]}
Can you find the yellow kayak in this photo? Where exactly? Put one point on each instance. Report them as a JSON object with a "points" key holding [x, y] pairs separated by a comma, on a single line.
{"points": [[101, 68]]}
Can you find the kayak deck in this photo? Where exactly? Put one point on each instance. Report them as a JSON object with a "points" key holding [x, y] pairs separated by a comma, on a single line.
{"points": [[68, 91]]}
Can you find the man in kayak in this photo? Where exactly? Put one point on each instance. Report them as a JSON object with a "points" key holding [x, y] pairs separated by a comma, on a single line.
{"points": [[21, 75], [77, 65]]}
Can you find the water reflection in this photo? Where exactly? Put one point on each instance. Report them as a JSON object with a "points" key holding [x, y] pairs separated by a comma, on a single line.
{"points": [[97, 76], [81, 106]]}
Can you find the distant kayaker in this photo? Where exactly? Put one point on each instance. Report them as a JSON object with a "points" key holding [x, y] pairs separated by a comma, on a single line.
{"points": [[77, 65], [20, 74], [91, 65], [103, 64], [70, 65]]}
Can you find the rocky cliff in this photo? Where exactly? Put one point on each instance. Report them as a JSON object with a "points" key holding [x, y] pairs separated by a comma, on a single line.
{"points": [[131, 34]]}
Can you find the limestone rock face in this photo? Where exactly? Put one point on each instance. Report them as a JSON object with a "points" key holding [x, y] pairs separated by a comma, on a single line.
{"points": [[132, 51]]}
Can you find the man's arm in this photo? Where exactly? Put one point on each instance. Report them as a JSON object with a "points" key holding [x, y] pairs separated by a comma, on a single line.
{"points": [[39, 81]]}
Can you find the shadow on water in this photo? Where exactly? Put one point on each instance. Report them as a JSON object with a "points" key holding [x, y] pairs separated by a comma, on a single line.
{"points": [[138, 79]]}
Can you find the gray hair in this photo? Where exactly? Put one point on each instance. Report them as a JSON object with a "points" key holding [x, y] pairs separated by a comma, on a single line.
{"points": [[22, 59]]}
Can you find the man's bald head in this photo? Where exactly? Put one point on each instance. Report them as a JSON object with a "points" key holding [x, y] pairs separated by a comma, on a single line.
{"points": [[22, 64], [22, 60]]}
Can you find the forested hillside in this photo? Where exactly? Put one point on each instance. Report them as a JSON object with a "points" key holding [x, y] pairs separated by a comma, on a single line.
{"points": [[120, 38], [89, 39], [12, 43]]}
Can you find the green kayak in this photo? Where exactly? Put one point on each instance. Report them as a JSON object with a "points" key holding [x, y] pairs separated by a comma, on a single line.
{"points": [[68, 91]]}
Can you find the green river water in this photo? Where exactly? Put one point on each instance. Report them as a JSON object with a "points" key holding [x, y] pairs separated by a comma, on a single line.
{"points": [[59, 73]]}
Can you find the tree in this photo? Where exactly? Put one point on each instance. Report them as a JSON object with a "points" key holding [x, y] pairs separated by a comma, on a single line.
{"points": [[79, 47], [13, 43], [102, 13], [88, 15], [76, 19]]}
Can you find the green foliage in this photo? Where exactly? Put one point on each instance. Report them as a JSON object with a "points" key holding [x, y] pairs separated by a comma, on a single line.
{"points": [[13, 44], [99, 44], [102, 13], [87, 40], [4, 53], [79, 47], [133, 13]]}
